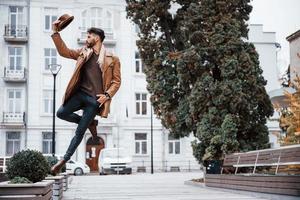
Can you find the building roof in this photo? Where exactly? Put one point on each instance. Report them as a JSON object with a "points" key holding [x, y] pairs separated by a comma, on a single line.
{"points": [[293, 36]]}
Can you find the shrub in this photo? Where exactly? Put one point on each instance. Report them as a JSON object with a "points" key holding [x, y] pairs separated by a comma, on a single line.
{"points": [[30, 164], [19, 179]]}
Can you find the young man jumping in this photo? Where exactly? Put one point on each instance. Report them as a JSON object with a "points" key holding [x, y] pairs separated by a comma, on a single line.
{"points": [[95, 80]]}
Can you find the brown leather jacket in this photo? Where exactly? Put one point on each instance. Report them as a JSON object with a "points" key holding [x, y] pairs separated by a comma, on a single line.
{"points": [[111, 74]]}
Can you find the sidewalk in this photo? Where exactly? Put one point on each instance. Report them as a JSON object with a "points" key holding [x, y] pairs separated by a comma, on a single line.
{"points": [[146, 186]]}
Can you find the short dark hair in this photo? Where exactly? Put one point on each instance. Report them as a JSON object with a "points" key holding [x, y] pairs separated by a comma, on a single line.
{"points": [[97, 31]]}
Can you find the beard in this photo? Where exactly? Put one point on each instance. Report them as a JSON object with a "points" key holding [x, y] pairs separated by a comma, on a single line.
{"points": [[90, 44]]}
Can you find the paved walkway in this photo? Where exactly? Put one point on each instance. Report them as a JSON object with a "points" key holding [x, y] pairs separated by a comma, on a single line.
{"points": [[144, 186]]}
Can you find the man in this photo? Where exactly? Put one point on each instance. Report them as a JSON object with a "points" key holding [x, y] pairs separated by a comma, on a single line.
{"points": [[95, 80]]}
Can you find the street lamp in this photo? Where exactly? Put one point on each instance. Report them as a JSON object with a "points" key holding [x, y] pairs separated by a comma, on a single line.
{"points": [[54, 68], [151, 141]]}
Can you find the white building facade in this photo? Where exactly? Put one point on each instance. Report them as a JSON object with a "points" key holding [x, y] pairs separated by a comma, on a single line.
{"points": [[267, 48], [26, 93]]}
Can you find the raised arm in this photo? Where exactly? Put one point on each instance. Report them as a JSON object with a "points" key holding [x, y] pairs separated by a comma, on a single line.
{"points": [[61, 47]]}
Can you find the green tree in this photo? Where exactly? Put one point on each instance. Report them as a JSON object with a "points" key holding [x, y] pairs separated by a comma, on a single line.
{"points": [[202, 75]]}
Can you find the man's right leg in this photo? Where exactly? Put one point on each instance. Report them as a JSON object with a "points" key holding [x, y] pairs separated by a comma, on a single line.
{"points": [[65, 112], [90, 109]]}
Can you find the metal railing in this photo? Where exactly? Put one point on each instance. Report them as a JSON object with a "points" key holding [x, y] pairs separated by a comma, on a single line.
{"points": [[17, 31], [108, 32], [166, 166], [14, 117], [3, 163], [15, 74]]}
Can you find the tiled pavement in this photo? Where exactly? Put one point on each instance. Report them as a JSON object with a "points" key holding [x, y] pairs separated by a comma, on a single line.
{"points": [[144, 186]]}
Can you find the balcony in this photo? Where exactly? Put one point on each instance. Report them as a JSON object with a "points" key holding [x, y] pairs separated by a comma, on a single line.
{"points": [[14, 75], [14, 119], [109, 36], [15, 33]]}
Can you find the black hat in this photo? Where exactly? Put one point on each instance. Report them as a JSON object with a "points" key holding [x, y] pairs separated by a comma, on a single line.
{"points": [[97, 31]]}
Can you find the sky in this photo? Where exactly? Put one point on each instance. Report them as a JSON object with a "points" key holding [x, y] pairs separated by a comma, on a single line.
{"points": [[280, 16]]}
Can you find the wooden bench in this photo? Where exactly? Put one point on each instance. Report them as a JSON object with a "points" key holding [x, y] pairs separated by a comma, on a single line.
{"points": [[273, 158], [242, 171]]}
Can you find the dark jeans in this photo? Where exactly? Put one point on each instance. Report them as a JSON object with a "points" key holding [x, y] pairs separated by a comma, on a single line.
{"points": [[90, 107]]}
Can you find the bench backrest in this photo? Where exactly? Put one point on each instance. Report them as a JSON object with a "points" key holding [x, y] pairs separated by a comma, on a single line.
{"points": [[290, 155], [270, 157], [267, 157], [247, 158], [231, 159]]}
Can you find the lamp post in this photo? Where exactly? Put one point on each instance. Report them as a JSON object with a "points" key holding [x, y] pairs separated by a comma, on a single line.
{"points": [[54, 68], [151, 141]]}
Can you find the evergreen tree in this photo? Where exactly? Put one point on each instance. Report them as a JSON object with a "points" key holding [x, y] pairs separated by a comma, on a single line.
{"points": [[202, 75]]}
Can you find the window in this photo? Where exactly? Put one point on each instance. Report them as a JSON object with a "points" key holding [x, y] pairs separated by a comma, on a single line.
{"points": [[15, 58], [50, 57], [50, 17], [84, 19], [14, 100], [16, 20], [139, 66], [107, 23], [174, 145], [47, 142], [140, 143], [141, 103], [97, 17], [12, 142], [48, 101]]}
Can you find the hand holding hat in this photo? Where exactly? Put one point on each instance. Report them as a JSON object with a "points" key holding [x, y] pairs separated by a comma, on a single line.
{"points": [[54, 26], [62, 22]]}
